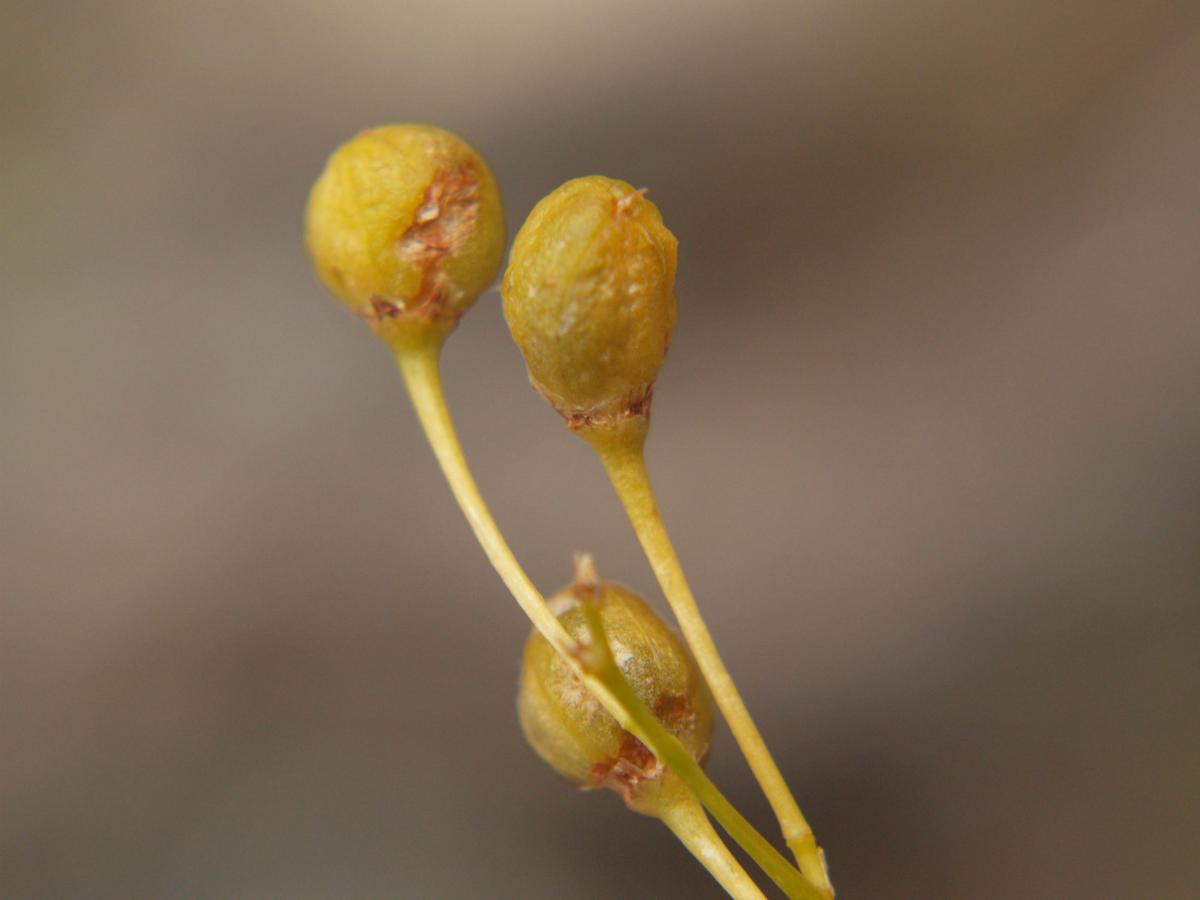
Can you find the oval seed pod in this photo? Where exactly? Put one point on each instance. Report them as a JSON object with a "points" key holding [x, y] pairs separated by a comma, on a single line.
{"points": [[589, 295], [569, 728], [405, 227]]}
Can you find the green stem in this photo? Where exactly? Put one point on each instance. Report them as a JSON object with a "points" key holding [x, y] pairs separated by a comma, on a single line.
{"points": [[620, 447], [419, 365], [683, 814]]}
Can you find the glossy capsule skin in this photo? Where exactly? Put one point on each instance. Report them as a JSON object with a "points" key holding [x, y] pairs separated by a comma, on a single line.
{"points": [[568, 727], [405, 227], [589, 295]]}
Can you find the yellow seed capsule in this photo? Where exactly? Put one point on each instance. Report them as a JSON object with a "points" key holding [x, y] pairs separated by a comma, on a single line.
{"points": [[589, 295], [405, 227], [569, 728]]}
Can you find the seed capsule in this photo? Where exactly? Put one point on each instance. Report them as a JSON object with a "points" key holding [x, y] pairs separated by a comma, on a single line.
{"points": [[405, 227], [569, 728], [589, 298]]}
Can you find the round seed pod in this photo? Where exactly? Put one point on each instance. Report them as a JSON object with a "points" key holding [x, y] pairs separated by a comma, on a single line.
{"points": [[589, 295], [569, 728], [405, 227]]}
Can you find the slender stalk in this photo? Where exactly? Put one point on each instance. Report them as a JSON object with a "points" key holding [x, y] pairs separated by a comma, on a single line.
{"points": [[685, 817], [418, 365], [676, 757], [620, 447]]}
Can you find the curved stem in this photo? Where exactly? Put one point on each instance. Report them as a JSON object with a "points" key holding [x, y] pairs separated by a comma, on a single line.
{"points": [[419, 367], [620, 447], [685, 817]]}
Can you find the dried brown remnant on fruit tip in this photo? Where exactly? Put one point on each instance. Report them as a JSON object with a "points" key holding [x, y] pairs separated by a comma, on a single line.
{"points": [[443, 221], [586, 581], [624, 203]]}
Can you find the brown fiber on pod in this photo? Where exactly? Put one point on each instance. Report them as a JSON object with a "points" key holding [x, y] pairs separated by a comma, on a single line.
{"points": [[569, 728], [405, 227], [589, 298]]}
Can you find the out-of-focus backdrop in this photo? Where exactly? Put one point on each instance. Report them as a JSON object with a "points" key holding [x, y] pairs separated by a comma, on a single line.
{"points": [[927, 440]]}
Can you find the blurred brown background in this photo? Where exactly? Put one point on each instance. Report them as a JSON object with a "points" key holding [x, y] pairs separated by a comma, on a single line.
{"points": [[927, 440]]}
